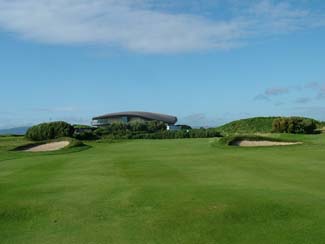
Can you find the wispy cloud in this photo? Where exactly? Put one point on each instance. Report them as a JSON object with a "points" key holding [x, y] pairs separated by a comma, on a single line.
{"points": [[320, 96], [56, 110], [147, 26], [271, 92], [262, 97], [319, 88], [302, 100], [308, 92], [276, 91]]}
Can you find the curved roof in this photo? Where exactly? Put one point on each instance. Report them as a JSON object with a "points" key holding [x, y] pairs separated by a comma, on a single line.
{"points": [[145, 115]]}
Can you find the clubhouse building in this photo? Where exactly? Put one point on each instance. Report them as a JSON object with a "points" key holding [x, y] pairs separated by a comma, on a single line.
{"points": [[128, 117]]}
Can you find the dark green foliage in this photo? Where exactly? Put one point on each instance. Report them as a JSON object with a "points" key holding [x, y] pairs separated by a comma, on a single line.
{"points": [[122, 130], [251, 125], [154, 126], [84, 132], [150, 130], [83, 128], [320, 127], [137, 126], [185, 127], [49, 131], [194, 133], [86, 135], [294, 125]]}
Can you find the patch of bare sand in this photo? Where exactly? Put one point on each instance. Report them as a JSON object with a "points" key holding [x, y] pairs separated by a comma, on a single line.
{"points": [[53, 146], [247, 143]]}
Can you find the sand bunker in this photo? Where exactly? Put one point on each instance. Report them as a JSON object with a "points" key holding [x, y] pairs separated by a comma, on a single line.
{"points": [[53, 146], [247, 143]]}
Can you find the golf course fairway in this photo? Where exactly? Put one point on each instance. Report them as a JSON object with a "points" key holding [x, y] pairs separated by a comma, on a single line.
{"points": [[187, 191]]}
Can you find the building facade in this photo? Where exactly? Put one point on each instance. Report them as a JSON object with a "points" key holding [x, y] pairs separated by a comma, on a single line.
{"points": [[129, 117]]}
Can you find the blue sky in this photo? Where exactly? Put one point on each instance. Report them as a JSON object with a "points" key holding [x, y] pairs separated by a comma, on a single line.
{"points": [[207, 61]]}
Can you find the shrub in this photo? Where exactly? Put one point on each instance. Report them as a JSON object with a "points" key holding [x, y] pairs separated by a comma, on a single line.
{"points": [[119, 129], [294, 125], [185, 127], [196, 133], [86, 135], [151, 130], [84, 132], [49, 131], [138, 126], [154, 126]]}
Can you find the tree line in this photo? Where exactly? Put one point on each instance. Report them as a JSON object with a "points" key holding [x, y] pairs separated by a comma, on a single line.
{"points": [[135, 130], [154, 130]]}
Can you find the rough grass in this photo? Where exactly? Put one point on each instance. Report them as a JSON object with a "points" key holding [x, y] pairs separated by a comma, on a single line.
{"points": [[164, 191], [251, 125]]}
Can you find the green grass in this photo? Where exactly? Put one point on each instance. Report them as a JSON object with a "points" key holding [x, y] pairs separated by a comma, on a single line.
{"points": [[164, 191], [253, 125], [250, 125]]}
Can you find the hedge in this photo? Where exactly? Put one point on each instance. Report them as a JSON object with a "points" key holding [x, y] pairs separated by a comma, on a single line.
{"points": [[194, 133]]}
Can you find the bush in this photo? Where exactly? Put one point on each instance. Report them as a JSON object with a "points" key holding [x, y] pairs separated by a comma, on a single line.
{"points": [[49, 131], [150, 130], [195, 133], [121, 129], [84, 132], [185, 127], [294, 125], [86, 135]]}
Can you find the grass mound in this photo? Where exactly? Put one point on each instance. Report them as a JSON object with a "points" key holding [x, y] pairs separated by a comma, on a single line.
{"points": [[259, 125], [251, 125]]}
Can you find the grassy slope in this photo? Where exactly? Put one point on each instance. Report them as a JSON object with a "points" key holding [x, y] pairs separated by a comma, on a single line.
{"points": [[251, 125], [169, 191]]}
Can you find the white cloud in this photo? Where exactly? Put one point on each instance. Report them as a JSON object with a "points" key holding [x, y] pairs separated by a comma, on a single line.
{"points": [[139, 26]]}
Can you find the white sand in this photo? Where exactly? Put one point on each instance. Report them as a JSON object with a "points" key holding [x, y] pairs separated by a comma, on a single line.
{"points": [[53, 146], [247, 143]]}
